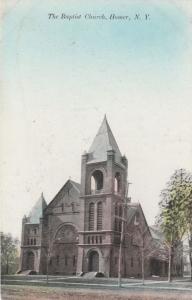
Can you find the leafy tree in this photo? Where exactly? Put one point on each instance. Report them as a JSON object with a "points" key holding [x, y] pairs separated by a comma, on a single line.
{"points": [[187, 208], [174, 212], [9, 254]]}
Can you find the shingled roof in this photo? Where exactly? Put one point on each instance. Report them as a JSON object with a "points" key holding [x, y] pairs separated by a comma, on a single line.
{"points": [[37, 211], [103, 142]]}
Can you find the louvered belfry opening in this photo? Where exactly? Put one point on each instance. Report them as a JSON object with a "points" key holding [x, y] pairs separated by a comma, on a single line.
{"points": [[99, 216], [91, 216]]}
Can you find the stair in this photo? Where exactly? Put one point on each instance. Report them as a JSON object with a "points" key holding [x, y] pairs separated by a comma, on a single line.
{"points": [[91, 275]]}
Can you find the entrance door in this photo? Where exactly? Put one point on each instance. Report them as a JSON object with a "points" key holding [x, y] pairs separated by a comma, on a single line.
{"points": [[30, 261], [94, 262]]}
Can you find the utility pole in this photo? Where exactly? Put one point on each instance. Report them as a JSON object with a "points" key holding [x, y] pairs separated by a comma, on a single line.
{"points": [[122, 233]]}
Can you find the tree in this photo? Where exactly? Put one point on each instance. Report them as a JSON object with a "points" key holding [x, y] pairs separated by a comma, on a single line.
{"points": [[9, 254], [173, 214], [187, 209]]}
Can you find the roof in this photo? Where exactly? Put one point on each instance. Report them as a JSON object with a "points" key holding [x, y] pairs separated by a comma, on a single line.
{"points": [[103, 142], [76, 185], [156, 233], [37, 210], [132, 209], [69, 183]]}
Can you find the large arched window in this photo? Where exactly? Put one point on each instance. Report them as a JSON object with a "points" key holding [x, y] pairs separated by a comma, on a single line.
{"points": [[99, 215], [91, 216], [117, 183], [96, 181]]}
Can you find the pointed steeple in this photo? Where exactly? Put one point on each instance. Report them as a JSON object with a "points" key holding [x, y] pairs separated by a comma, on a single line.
{"points": [[37, 210], [103, 142]]}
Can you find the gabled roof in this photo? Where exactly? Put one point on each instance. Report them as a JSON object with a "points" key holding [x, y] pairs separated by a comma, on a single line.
{"points": [[103, 142], [37, 211], [70, 183], [131, 212], [156, 233], [133, 208]]}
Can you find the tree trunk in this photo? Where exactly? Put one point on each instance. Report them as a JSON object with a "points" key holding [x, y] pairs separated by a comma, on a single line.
{"points": [[170, 264], [7, 266], [190, 254]]}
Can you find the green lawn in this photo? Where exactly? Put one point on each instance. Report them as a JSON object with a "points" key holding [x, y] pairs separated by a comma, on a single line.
{"points": [[19, 292]]}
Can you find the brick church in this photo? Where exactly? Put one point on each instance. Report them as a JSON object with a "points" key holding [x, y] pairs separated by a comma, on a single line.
{"points": [[79, 230]]}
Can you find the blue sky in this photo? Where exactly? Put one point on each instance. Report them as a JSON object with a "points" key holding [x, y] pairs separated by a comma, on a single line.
{"points": [[61, 77]]}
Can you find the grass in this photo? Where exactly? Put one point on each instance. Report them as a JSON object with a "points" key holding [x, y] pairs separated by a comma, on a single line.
{"points": [[12, 292]]}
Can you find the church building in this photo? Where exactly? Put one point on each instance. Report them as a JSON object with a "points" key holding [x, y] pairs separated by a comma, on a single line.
{"points": [[79, 231]]}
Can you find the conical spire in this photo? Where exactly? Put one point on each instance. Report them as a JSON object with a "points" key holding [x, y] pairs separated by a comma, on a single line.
{"points": [[37, 210], [103, 142]]}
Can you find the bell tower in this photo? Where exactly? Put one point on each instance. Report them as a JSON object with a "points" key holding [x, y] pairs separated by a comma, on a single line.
{"points": [[103, 188]]}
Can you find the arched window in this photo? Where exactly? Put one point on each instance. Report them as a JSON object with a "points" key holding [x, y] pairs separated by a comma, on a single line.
{"points": [[116, 209], [117, 183], [74, 260], [34, 241], [136, 219], [73, 206], [31, 241], [91, 216], [99, 215], [96, 181], [132, 262], [120, 226], [120, 210], [116, 224]]}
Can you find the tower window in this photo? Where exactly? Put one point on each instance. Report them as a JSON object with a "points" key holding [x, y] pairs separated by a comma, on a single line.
{"points": [[117, 183], [57, 259], [120, 223], [120, 211], [74, 260], [132, 262], [91, 216], [116, 225], [73, 206], [34, 241], [116, 209], [31, 241], [99, 215], [96, 181]]}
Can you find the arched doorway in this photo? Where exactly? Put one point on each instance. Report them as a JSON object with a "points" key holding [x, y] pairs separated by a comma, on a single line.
{"points": [[94, 261], [30, 260]]}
